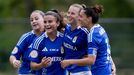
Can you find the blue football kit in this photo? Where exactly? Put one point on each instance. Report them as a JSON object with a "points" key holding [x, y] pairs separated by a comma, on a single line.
{"points": [[23, 51], [98, 45], [44, 47], [75, 47]]}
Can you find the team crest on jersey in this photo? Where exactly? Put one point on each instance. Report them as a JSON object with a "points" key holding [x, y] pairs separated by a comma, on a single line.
{"points": [[34, 54], [15, 50], [62, 50], [74, 39]]}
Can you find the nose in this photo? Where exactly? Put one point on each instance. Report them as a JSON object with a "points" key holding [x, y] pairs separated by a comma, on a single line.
{"points": [[34, 21], [46, 23], [68, 14]]}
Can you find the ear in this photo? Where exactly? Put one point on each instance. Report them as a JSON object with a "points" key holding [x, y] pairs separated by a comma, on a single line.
{"points": [[58, 23], [89, 19]]}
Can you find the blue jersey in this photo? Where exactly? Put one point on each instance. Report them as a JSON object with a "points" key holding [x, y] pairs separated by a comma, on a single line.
{"points": [[99, 46], [75, 46], [44, 47], [23, 52]]}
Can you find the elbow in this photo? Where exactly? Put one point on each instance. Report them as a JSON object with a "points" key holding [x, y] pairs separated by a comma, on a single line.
{"points": [[91, 60], [33, 66]]}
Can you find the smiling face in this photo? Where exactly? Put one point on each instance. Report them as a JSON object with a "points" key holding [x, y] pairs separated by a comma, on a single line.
{"points": [[72, 14], [84, 20], [50, 23], [37, 21]]}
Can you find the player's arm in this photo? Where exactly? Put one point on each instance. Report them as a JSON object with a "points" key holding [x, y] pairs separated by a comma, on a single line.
{"points": [[13, 60], [44, 63], [87, 60], [113, 67]]}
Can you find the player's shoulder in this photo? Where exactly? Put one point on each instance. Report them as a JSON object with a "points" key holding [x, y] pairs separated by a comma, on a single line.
{"points": [[38, 40], [60, 34], [27, 34], [41, 37], [83, 29], [68, 26], [97, 29]]}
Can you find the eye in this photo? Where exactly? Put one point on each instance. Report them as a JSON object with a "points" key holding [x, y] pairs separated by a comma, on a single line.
{"points": [[45, 21], [31, 19], [36, 18], [68, 12], [50, 21], [72, 13]]}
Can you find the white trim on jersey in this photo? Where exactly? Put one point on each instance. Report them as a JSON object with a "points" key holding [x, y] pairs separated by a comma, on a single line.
{"points": [[91, 32], [85, 30], [24, 37], [58, 34], [90, 35], [38, 41]]}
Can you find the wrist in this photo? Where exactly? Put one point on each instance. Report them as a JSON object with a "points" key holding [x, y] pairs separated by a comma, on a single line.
{"points": [[14, 61]]}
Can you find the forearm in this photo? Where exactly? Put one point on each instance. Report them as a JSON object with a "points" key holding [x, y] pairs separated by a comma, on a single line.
{"points": [[12, 58], [84, 61], [36, 66]]}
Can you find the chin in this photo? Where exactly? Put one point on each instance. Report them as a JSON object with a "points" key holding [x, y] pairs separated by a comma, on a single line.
{"points": [[48, 31]]}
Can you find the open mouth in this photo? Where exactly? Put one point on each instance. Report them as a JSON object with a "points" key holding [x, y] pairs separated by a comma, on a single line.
{"points": [[34, 24], [48, 27]]}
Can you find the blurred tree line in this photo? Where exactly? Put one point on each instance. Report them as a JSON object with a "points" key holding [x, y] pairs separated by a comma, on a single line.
{"points": [[14, 21], [23, 8]]}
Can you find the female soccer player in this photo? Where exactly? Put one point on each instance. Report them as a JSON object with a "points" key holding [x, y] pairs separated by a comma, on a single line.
{"points": [[98, 42], [47, 50], [19, 57], [75, 45]]}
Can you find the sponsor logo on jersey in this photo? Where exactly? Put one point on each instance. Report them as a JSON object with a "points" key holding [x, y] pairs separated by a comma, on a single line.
{"points": [[56, 58], [30, 46], [45, 49], [69, 46]]}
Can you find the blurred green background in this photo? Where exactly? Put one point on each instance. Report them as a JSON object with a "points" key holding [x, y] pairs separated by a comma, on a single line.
{"points": [[117, 19]]}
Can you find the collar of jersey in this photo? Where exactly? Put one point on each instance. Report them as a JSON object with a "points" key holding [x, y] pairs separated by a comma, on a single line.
{"points": [[96, 25], [78, 27], [58, 34]]}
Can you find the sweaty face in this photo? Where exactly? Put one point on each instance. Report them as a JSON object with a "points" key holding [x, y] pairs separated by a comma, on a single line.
{"points": [[37, 21], [84, 20], [72, 14], [50, 23]]}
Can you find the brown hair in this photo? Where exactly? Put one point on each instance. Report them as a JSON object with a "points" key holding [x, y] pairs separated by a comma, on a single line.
{"points": [[94, 12], [58, 16]]}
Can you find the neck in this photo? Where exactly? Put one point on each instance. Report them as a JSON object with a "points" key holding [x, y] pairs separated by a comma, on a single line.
{"points": [[52, 35], [74, 26], [90, 26], [37, 32]]}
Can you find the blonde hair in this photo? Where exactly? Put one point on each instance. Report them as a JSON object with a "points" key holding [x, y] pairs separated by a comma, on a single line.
{"points": [[78, 6], [40, 12]]}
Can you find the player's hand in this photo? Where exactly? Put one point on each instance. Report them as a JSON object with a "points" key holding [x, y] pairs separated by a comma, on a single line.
{"points": [[46, 61], [65, 63], [113, 71], [16, 63]]}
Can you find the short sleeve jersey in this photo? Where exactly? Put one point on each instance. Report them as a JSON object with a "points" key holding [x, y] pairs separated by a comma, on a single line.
{"points": [[23, 51], [44, 47], [75, 46], [98, 44]]}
